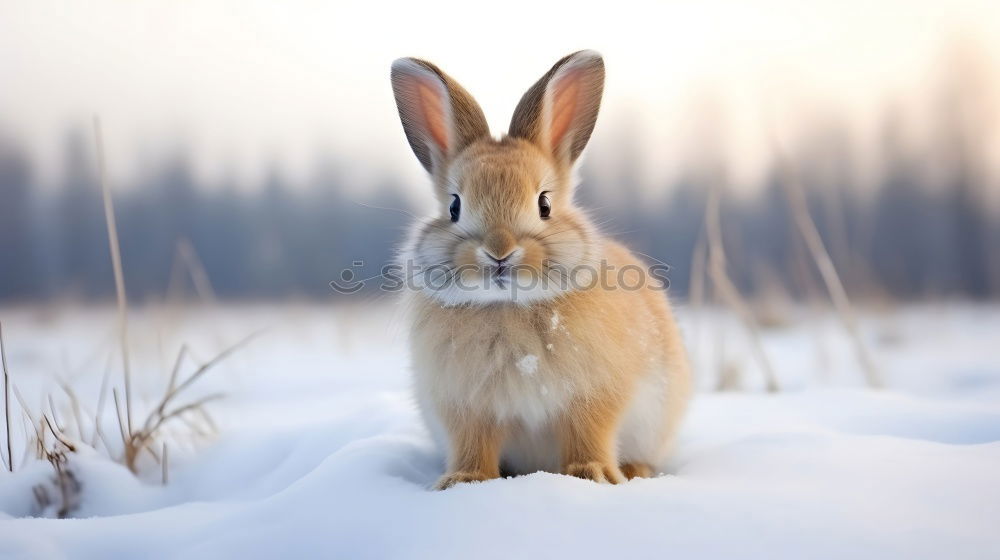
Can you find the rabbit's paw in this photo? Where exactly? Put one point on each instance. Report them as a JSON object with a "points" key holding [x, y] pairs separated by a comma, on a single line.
{"points": [[451, 479], [637, 470], [596, 471]]}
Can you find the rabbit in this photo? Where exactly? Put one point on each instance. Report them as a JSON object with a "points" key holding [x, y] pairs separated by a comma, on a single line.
{"points": [[537, 344]]}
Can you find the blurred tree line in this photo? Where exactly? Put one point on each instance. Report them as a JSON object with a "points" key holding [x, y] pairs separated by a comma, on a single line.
{"points": [[275, 240], [903, 237], [921, 226]]}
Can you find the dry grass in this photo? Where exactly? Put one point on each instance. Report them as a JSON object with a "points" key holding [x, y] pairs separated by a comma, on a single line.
{"points": [[137, 441], [53, 443], [817, 249], [65, 483], [9, 460], [145, 438], [116, 264], [186, 259], [65, 491], [730, 295]]}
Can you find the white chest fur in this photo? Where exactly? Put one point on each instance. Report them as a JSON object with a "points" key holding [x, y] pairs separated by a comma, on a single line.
{"points": [[515, 375]]}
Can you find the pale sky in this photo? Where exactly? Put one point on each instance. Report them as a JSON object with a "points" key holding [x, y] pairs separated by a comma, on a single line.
{"points": [[247, 85]]}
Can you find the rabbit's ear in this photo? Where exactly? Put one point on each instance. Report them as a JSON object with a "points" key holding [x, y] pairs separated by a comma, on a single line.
{"points": [[558, 112], [439, 117]]}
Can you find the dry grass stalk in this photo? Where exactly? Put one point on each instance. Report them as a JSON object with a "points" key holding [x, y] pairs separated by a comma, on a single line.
{"points": [[814, 242], [66, 482], [728, 291], [116, 263], [697, 281], [123, 431], [140, 440], [26, 411], [58, 434], [55, 415], [164, 464], [6, 400], [186, 256], [696, 294], [74, 406], [730, 378], [101, 397]]}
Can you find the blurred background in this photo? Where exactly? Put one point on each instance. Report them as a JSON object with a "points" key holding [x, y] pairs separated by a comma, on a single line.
{"points": [[823, 178], [254, 150]]}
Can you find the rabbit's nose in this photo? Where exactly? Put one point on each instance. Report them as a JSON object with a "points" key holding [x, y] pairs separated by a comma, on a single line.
{"points": [[499, 244], [501, 265], [500, 261], [498, 265]]}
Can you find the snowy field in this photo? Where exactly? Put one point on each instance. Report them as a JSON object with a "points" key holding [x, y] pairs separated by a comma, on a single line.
{"points": [[316, 450]]}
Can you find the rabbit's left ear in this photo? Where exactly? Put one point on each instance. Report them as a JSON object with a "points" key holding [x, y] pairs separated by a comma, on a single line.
{"points": [[558, 113]]}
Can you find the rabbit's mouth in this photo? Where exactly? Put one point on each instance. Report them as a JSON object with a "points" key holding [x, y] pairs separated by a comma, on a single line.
{"points": [[476, 275], [499, 283], [500, 275]]}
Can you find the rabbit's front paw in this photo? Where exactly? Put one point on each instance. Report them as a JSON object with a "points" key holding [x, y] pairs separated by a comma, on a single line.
{"points": [[596, 471], [637, 470], [449, 480]]}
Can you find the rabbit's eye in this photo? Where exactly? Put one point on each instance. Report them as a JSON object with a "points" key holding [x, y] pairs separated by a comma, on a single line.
{"points": [[544, 206], [456, 207]]}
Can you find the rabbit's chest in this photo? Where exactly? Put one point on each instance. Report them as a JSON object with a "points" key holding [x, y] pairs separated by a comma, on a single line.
{"points": [[515, 376], [512, 370]]}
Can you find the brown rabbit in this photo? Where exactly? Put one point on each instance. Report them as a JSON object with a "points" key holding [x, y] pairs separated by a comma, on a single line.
{"points": [[537, 343]]}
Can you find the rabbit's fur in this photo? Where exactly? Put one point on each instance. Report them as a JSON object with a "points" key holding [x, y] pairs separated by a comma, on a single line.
{"points": [[537, 343]]}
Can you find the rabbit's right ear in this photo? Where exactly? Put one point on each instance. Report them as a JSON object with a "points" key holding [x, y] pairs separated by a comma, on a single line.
{"points": [[439, 117]]}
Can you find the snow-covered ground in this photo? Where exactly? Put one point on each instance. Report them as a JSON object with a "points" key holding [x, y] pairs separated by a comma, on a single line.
{"points": [[319, 450]]}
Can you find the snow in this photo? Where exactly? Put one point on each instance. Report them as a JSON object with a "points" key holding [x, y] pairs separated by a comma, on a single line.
{"points": [[528, 365], [321, 452]]}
